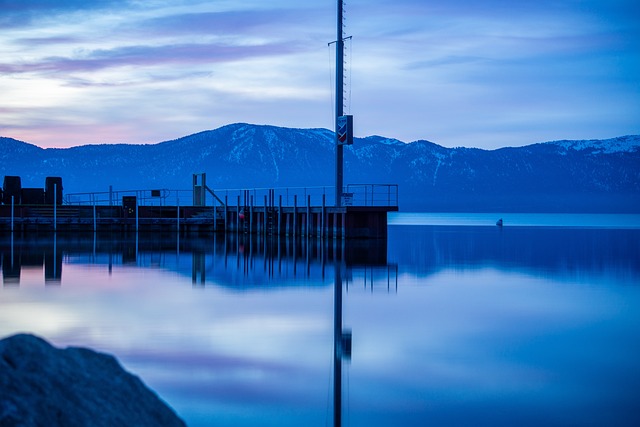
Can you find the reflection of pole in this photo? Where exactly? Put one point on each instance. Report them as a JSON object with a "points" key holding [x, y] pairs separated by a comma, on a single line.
{"points": [[12, 245], [55, 252], [337, 346]]}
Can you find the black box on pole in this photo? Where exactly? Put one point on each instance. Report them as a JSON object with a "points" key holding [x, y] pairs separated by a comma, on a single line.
{"points": [[12, 186], [53, 190]]}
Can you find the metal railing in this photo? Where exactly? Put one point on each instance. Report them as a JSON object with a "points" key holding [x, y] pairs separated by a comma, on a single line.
{"points": [[355, 195], [114, 198], [371, 195]]}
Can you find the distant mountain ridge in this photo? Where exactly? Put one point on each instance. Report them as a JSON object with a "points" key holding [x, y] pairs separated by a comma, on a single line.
{"points": [[557, 176]]}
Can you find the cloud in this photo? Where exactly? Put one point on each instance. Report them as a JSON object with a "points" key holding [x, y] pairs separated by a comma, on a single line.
{"points": [[24, 12], [220, 23], [44, 41], [149, 56]]}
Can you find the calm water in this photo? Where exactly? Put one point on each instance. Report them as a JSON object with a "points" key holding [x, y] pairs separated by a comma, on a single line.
{"points": [[452, 325]]}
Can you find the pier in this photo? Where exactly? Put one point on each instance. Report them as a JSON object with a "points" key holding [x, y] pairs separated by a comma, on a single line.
{"points": [[282, 212]]}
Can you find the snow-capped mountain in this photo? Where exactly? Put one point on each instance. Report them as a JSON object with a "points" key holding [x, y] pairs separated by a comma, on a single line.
{"points": [[588, 176]]}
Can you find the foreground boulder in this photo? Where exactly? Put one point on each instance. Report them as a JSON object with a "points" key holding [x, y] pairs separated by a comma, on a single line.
{"points": [[41, 385]]}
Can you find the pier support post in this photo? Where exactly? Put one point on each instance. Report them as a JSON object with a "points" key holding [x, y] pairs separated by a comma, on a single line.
{"points": [[279, 214], [295, 215], [324, 213], [215, 216], [287, 226], [12, 211], [308, 215], [264, 223], [251, 215], [238, 216], [55, 206]]}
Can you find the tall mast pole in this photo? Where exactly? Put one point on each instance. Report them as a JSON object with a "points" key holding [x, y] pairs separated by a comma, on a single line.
{"points": [[339, 104], [337, 291]]}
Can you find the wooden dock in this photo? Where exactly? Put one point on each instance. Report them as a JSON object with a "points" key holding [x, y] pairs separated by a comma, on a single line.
{"points": [[282, 212], [318, 221]]}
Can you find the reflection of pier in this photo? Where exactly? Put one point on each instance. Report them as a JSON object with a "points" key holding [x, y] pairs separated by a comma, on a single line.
{"points": [[235, 261], [34, 255], [243, 262]]}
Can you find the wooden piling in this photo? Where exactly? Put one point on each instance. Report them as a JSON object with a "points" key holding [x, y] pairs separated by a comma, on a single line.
{"points": [[295, 215]]}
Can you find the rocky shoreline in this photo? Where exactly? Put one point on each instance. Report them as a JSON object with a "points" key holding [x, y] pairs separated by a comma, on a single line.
{"points": [[41, 385]]}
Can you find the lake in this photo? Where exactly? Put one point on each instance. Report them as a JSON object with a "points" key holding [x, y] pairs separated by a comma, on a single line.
{"points": [[453, 321]]}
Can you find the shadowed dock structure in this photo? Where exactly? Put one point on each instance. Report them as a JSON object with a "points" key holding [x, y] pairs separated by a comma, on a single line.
{"points": [[279, 212]]}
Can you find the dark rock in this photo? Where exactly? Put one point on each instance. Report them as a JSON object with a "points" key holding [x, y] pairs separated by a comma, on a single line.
{"points": [[41, 385]]}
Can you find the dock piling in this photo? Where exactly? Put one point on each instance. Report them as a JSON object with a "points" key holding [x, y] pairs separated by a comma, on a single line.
{"points": [[238, 216], [226, 218], [295, 215], [323, 219], [55, 206], [308, 230], [279, 214]]}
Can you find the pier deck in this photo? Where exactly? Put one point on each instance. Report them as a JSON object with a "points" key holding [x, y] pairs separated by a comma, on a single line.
{"points": [[320, 221]]}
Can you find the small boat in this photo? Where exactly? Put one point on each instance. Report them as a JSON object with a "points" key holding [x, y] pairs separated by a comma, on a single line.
{"points": [[499, 222]]}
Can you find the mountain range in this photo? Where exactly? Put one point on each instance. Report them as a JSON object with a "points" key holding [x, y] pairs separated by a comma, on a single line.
{"points": [[557, 176]]}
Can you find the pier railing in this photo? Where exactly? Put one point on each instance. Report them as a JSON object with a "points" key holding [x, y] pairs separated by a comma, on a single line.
{"points": [[158, 197], [371, 195], [354, 195]]}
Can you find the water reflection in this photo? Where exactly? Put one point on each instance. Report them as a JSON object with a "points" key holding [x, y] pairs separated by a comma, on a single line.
{"points": [[33, 254], [238, 261], [451, 325], [243, 262], [557, 252]]}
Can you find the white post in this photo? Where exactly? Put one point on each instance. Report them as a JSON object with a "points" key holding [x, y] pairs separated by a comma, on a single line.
{"points": [[136, 222], [324, 214], [55, 206], [94, 216], [308, 231], [178, 216], [12, 208]]}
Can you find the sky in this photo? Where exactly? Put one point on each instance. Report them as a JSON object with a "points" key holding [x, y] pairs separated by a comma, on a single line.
{"points": [[470, 73]]}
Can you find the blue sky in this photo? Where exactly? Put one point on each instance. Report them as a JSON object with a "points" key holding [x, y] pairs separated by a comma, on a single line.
{"points": [[459, 73]]}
